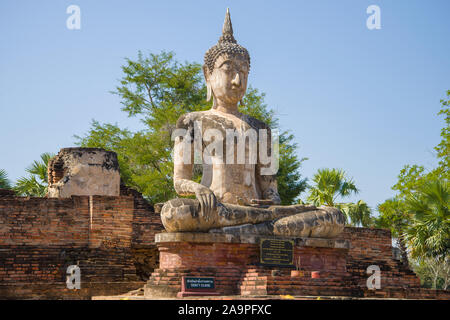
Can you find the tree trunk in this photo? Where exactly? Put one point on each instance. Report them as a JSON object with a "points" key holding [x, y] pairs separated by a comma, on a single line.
{"points": [[435, 281], [404, 253]]}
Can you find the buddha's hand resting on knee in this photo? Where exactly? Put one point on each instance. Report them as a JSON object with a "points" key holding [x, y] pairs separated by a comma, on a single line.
{"points": [[208, 202]]}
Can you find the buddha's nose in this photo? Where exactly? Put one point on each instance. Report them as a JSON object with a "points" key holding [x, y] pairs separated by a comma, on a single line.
{"points": [[237, 80]]}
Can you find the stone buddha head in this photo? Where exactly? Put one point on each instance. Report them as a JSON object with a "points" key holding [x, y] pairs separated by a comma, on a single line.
{"points": [[226, 68]]}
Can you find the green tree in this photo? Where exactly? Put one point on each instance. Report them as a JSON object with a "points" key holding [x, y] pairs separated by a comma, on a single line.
{"points": [[290, 182], [413, 186], [4, 181], [418, 215], [359, 213], [429, 231], [433, 272], [394, 216], [329, 185], [410, 179], [443, 148], [158, 89], [36, 184]]}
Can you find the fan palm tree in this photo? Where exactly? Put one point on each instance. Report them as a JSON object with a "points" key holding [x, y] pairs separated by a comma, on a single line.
{"points": [[4, 182], [429, 232], [36, 183], [359, 213], [330, 184]]}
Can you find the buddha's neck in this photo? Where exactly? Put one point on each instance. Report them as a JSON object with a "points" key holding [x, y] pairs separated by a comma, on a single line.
{"points": [[227, 108]]}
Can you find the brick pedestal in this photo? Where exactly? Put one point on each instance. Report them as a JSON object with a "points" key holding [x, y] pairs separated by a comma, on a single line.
{"points": [[234, 261]]}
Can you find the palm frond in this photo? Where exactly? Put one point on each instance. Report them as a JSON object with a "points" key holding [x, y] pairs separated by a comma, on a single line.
{"points": [[4, 181]]}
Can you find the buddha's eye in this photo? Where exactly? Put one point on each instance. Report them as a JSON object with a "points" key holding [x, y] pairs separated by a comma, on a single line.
{"points": [[226, 66]]}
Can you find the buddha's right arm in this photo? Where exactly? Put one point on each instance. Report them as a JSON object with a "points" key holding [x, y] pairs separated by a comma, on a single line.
{"points": [[186, 187], [182, 178]]}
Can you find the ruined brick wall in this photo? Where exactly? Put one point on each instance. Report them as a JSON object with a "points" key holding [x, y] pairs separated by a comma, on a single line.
{"points": [[146, 223], [371, 246], [105, 236], [79, 221], [374, 247]]}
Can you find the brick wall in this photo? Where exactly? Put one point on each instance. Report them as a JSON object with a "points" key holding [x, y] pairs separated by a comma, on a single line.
{"points": [[108, 237], [79, 221], [374, 247], [146, 223]]}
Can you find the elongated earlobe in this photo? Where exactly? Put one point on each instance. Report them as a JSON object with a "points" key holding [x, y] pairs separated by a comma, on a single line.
{"points": [[208, 92], [214, 101]]}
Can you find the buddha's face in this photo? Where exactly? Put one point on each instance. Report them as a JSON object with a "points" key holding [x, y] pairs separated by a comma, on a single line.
{"points": [[228, 80]]}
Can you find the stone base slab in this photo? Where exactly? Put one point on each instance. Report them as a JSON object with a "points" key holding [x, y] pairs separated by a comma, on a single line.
{"points": [[193, 237]]}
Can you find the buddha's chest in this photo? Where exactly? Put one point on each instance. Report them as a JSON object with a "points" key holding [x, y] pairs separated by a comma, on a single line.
{"points": [[227, 140], [222, 122]]}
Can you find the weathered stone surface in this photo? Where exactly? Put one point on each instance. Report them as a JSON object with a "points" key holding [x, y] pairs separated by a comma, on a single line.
{"points": [[83, 171], [297, 220], [202, 237]]}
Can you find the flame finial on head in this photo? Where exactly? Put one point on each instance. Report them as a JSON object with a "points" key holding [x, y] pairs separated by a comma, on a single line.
{"points": [[227, 44], [227, 29]]}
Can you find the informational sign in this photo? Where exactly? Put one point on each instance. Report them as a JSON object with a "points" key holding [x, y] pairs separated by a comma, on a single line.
{"points": [[206, 283], [277, 252]]}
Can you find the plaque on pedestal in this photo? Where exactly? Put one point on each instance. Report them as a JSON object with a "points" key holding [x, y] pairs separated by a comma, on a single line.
{"points": [[277, 252], [197, 286]]}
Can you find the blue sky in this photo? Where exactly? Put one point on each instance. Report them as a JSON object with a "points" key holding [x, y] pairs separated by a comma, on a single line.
{"points": [[358, 99]]}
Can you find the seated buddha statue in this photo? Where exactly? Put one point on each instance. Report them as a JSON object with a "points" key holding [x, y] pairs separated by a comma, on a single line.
{"points": [[238, 190]]}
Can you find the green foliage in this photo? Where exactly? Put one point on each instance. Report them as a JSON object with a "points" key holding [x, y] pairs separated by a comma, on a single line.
{"points": [[158, 90], [253, 105], [434, 273], [290, 182], [4, 181], [359, 213], [410, 180], [160, 83], [329, 184], [418, 215], [443, 148], [36, 184], [393, 216], [428, 234]]}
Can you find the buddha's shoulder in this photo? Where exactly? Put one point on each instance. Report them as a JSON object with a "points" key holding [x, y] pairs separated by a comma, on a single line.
{"points": [[188, 119], [255, 123]]}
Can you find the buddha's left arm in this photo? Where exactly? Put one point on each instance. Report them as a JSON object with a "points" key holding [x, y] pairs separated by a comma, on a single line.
{"points": [[268, 182], [269, 188]]}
